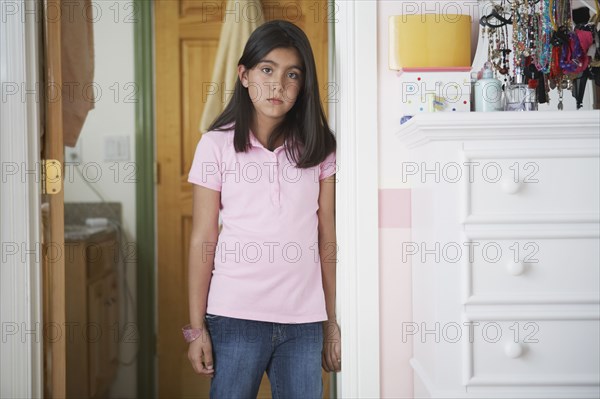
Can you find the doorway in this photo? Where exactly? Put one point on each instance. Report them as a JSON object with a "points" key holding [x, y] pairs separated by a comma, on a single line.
{"points": [[186, 40]]}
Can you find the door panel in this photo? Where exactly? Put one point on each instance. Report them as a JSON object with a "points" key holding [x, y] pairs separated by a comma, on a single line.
{"points": [[186, 39], [53, 273]]}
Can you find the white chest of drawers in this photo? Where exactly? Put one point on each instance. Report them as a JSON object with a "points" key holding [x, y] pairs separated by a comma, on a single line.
{"points": [[505, 254]]}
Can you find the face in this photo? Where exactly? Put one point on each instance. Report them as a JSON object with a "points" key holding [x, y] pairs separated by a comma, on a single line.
{"points": [[274, 83]]}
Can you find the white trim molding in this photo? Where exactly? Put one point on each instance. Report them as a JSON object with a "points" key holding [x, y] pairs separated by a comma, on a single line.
{"points": [[356, 128], [459, 126], [20, 267]]}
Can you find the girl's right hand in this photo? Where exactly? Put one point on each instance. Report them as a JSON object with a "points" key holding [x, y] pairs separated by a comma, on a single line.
{"points": [[199, 349]]}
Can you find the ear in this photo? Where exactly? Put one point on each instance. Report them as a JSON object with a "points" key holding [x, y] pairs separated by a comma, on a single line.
{"points": [[243, 75]]}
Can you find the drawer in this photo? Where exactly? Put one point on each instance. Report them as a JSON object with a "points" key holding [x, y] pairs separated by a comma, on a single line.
{"points": [[535, 352], [534, 270], [532, 186]]}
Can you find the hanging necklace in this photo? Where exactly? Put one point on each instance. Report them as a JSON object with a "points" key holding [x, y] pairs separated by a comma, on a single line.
{"points": [[543, 49], [495, 28]]}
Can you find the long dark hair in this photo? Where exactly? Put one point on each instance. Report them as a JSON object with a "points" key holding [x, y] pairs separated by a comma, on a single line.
{"points": [[305, 123]]}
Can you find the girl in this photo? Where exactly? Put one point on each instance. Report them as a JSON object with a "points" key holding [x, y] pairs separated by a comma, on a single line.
{"points": [[262, 291]]}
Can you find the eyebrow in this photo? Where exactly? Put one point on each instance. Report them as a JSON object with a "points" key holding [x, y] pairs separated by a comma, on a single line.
{"points": [[276, 64]]}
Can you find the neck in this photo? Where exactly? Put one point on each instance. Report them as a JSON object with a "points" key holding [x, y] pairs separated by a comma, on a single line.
{"points": [[263, 127]]}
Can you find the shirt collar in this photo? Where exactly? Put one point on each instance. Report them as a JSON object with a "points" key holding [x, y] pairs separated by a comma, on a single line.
{"points": [[254, 141]]}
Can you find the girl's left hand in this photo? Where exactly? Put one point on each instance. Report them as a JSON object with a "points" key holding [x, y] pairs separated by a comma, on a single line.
{"points": [[332, 346]]}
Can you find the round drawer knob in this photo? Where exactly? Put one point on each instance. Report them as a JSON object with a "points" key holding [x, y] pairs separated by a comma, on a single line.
{"points": [[513, 350], [515, 268], [510, 186]]}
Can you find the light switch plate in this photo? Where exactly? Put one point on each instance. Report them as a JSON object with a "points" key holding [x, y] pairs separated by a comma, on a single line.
{"points": [[116, 148]]}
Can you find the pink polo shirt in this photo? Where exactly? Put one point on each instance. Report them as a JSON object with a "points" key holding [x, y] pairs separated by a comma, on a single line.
{"points": [[266, 261]]}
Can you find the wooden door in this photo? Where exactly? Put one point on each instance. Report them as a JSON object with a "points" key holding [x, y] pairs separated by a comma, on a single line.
{"points": [[96, 349], [53, 273], [186, 37]]}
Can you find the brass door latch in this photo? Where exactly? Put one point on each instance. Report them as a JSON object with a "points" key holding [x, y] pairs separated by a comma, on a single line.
{"points": [[51, 176]]}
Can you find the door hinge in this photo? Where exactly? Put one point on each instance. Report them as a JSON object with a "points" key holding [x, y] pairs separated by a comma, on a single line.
{"points": [[51, 176]]}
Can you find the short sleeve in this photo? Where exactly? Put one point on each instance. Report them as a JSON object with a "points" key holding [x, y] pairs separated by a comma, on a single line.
{"points": [[328, 167], [205, 170]]}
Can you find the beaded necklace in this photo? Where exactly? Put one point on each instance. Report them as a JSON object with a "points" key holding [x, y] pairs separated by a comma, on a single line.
{"points": [[543, 49], [562, 13], [517, 45], [497, 34]]}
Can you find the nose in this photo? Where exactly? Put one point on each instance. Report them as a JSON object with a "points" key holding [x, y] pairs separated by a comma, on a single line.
{"points": [[275, 86], [278, 85], [279, 81]]}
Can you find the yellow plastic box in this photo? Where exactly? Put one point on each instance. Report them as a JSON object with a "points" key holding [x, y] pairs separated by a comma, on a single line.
{"points": [[429, 41]]}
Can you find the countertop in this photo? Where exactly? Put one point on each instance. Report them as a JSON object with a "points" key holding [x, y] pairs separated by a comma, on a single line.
{"points": [[76, 233]]}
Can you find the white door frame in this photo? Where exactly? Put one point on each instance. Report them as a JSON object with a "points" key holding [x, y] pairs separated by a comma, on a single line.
{"points": [[21, 334], [355, 123]]}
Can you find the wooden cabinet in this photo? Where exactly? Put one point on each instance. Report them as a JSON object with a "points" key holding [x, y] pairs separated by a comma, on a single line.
{"points": [[92, 311]]}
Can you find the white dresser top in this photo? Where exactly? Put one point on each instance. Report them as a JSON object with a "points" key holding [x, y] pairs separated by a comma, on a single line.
{"points": [[458, 126]]}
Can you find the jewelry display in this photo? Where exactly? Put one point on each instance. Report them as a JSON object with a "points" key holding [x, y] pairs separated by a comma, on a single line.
{"points": [[535, 46]]}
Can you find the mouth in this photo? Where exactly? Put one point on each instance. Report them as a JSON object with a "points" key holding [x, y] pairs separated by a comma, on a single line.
{"points": [[275, 101]]}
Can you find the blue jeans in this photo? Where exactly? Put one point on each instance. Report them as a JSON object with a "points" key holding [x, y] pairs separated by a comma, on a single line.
{"points": [[244, 349]]}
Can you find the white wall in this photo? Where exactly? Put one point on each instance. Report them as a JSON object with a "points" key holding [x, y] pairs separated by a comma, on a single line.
{"points": [[114, 115]]}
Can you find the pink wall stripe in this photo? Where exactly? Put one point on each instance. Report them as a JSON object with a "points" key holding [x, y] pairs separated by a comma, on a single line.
{"points": [[395, 293], [394, 208]]}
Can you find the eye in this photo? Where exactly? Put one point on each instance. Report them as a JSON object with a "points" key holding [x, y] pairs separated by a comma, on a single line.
{"points": [[266, 69], [294, 75]]}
